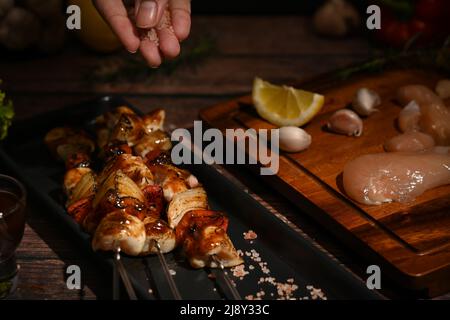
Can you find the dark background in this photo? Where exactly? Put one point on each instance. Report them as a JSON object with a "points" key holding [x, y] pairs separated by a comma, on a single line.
{"points": [[260, 7]]}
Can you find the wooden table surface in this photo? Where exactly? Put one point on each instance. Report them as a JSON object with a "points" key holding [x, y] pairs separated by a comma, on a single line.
{"points": [[278, 48]]}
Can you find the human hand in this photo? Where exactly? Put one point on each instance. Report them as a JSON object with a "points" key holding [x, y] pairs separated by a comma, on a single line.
{"points": [[169, 22]]}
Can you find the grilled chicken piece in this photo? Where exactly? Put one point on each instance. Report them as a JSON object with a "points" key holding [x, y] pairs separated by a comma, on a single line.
{"points": [[154, 120], [154, 200], [119, 229], [117, 191], [80, 209], [204, 242], [60, 136], [106, 122], [129, 128], [183, 202], [109, 119], [71, 146], [157, 157], [158, 230], [202, 234], [199, 218], [172, 179], [131, 166], [155, 140], [113, 149]]}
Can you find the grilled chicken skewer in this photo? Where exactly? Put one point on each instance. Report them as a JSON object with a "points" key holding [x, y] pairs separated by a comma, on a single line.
{"points": [[122, 205]]}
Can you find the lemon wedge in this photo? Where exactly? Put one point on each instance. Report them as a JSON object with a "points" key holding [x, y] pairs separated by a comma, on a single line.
{"points": [[95, 32], [284, 105]]}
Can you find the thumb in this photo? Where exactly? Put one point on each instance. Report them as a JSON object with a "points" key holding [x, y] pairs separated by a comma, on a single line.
{"points": [[148, 13]]}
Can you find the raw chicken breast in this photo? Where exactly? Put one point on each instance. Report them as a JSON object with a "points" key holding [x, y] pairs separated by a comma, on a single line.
{"points": [[409, 142], [418, 93], [425, 112], [398, 176]]}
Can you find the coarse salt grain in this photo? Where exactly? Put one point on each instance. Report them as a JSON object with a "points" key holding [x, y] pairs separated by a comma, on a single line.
{"points": [[250, 235], [239, 271]]}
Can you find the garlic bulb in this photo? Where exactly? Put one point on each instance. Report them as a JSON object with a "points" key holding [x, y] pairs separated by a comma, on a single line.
{"points": [[365, 101], [336, 18], [19, 29], [294, 139], [346, 122]]}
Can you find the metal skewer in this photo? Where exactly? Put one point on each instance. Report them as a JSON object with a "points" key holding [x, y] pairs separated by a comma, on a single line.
{"points": [[167, 274], [116, 287], [227, 279], [124, 275]]}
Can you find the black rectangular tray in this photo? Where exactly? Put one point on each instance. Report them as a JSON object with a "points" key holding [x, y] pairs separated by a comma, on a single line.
{"points": [[287, 253]]}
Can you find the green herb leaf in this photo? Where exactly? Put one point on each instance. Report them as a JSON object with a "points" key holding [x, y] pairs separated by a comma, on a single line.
{"points": [[6, 115]]}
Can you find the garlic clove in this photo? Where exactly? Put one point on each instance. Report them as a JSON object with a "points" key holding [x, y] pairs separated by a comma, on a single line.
{"points": [[346, 122], [366, 101], [294, 139]]}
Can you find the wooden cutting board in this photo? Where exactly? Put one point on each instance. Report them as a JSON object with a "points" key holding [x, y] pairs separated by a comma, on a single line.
{"points": [[409, 241]]}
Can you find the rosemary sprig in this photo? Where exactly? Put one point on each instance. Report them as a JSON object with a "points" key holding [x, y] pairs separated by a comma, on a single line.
{"points": [[420, 58]]}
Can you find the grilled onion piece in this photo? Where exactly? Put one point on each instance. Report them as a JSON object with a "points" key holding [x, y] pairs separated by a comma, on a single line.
{"points": [[119, 229], [117, 192], [131, 166], [192, 199], [121, 185], [85, 188], [73, 177]]}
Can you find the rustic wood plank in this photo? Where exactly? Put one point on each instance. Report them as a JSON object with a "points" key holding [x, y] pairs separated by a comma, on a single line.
{"points": [[410, 240]]}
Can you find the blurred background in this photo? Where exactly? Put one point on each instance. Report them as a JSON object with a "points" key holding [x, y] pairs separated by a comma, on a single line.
{"points": [[44, 66], [283, 41]]}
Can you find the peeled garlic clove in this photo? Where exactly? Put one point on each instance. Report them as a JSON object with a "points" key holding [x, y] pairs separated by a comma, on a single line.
{"points": [[365, 102], [443, 89], [294, 139], [346, 122]]}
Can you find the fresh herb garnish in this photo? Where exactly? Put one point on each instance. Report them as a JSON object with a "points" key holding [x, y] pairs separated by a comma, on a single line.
{"points": [[6, 115]]}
